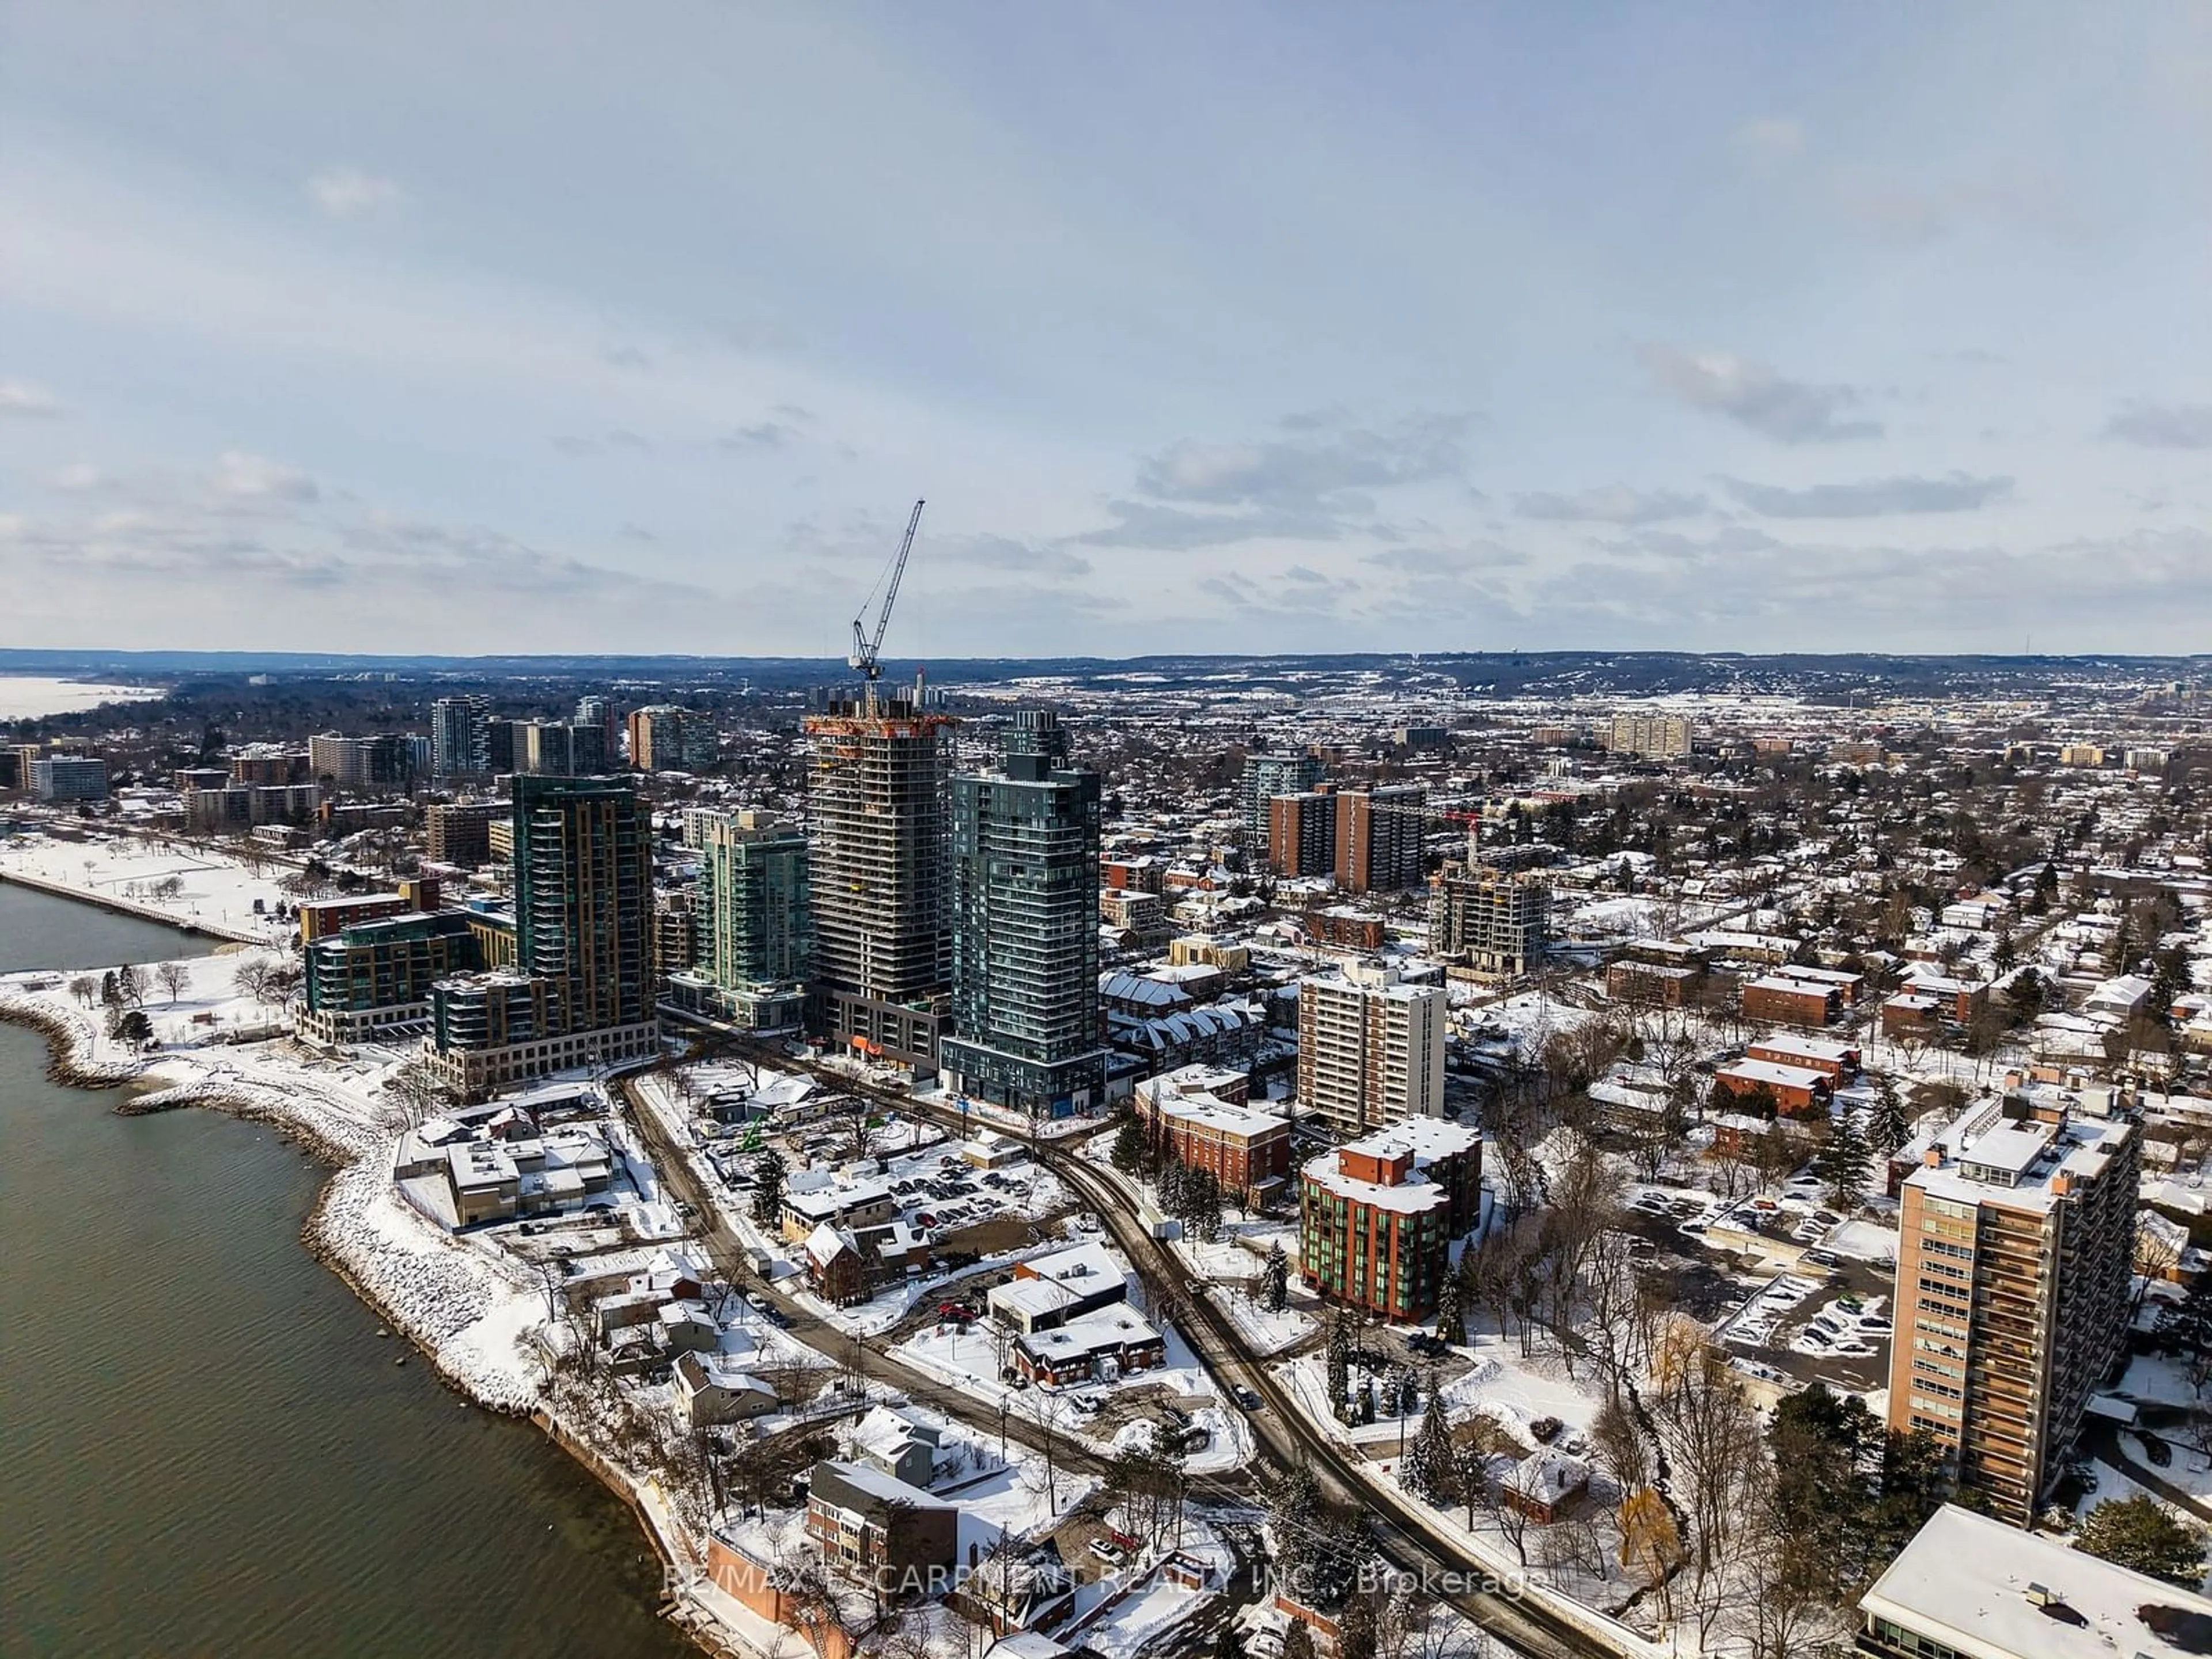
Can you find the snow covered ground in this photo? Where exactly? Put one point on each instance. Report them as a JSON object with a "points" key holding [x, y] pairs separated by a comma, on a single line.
{"points": [[218, 893], [971, 1362]]}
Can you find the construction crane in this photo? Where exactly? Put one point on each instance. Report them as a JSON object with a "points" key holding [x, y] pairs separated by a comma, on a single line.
{"points": [[867, 652]]}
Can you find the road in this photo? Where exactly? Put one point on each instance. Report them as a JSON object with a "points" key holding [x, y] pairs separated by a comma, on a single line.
{"points": [[727, 1253], [1406, 1538]]}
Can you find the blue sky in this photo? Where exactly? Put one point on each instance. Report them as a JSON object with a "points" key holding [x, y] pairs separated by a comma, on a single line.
{"points": [[563, 326]]}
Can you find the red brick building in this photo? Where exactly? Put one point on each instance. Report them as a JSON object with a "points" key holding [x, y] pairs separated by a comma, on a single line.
{"points": [[1341, 926], [1779, 1001], [1839, 1060], [1656, 984], [1795, 1090], [1378, 1215], [1249, 1152], [1141, 874]]}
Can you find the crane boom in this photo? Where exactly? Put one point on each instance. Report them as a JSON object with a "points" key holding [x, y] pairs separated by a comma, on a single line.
{"points": [[866, 652]]}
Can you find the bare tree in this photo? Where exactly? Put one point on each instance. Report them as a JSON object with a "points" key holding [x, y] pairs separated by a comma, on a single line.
{"points": [[174, 978], [1712, 1440], [806, 1599]]}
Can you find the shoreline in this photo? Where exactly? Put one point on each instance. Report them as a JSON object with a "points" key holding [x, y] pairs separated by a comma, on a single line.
{"points": [[72, 1062], [133, 908]]}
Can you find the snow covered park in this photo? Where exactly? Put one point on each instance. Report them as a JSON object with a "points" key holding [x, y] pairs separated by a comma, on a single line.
{"points": [[163, 880]]}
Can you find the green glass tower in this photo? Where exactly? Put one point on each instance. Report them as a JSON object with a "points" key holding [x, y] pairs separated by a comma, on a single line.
{"points": [[583, 896], [1025, 929]]}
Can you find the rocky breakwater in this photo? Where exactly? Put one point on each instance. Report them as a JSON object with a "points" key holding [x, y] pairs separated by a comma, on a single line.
{"points": [[73, 1054]]}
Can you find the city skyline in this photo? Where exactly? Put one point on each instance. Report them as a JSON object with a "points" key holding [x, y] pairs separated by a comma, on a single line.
{"points": [[1253, 330]]}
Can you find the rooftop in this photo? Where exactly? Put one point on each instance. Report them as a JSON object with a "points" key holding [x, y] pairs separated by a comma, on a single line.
{"points": [[1990, 1591]]}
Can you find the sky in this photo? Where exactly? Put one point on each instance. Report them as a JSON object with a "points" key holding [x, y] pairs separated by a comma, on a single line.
{"points": [[560, 326]]}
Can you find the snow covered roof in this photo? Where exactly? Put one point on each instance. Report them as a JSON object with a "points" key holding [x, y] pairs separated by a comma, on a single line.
{"points": [[1549, 1475], [1989, 1591], [1426, 1138], [1773, 1074], [1084, 1269], [1102, 1330], [857, 1486], [1415, 1195], [1811, 1048]]}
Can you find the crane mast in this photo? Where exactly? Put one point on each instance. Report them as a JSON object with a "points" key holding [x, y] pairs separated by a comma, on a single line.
{"points": [[867, 650]]}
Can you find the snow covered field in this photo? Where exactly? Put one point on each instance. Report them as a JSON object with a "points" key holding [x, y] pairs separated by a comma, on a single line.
{"points": [[216, 894]]}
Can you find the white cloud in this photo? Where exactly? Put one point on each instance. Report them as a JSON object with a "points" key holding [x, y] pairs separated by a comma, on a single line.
{"points": [[1872, 497], [347, 192], [1753, 395], [27, 398], [257, 477]]}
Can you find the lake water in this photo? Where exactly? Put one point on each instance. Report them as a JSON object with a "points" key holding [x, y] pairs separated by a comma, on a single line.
{"points": [[204, 1448], [24, 697]]}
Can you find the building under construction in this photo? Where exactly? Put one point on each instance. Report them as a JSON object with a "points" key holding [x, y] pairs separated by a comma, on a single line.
{"points": [[1493, 921], [880, 872]]}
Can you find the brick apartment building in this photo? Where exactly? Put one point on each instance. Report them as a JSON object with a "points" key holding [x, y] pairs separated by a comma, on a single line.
{"points": [[880, 1531], [1376, 1215], [1208, 1127], [1301, 834], [1839, 1060], [1795, 1090], [1780, 1001], [1379, 834]]}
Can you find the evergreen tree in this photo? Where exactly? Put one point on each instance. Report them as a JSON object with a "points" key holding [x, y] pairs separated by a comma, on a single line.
{"points": [[1229, 1644], [1339, 1364], [1169, 1184], [1129, 1144], [1432, 1471], [767, 1190], [1359, 1630], [1297, 1641], [2184, 1327], [1451, 1311], [126, 985], [2136, 1532], [1841, 1162], [1275, 1278], [1823, 1444], [1205, 1201], [1293, 1508], [110, 992], [1887, 1126], [1915, 1483]]}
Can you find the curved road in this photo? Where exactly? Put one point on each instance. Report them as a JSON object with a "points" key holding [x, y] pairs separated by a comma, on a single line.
{"points": [[1406, 1538]]}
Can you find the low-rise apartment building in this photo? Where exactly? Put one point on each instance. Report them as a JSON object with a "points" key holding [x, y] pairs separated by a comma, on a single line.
{"points": [[1376, 1216], [1247, 1151], [876, 1529]]}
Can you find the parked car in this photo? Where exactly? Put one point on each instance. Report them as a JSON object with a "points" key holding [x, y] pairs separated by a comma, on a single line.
{"points": [[1248, 1399]]}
